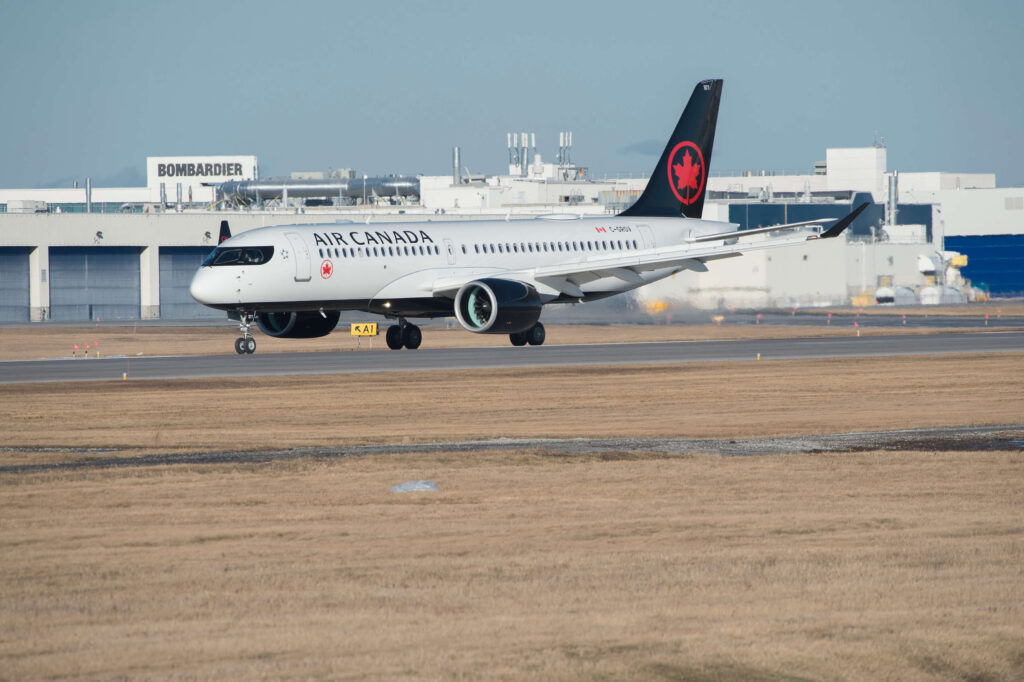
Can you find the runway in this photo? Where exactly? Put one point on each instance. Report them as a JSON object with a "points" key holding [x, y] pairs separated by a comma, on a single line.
{"points": [[426, 359]]}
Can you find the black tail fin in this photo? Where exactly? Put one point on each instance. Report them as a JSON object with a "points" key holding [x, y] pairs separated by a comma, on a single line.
{"points": [[225, 232], [680, 178]]}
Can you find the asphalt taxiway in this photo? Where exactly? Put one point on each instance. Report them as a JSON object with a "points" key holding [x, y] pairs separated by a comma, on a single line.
{"points": [[426, 359]]}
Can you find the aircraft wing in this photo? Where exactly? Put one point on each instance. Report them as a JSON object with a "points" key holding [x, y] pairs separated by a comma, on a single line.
{"points": [[568, 277], [759, 230]]}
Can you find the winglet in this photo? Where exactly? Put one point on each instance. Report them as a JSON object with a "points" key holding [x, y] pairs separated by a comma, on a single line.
{"points": [[842, 224], [225, 232]]}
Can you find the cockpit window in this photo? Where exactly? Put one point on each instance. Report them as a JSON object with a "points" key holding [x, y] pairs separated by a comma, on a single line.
{"points": [[234, 255]]}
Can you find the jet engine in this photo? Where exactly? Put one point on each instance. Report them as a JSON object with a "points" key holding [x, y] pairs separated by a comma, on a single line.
{"points": [[497, 306], [304, 325]]}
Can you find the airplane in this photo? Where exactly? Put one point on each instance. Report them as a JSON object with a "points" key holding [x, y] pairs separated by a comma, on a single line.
{"points": [[495, 276]]}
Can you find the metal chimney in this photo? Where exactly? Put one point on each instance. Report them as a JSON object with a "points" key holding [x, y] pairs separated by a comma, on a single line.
{"points": [[88, 195], [456, 166], [892, 204], [524, 141]]}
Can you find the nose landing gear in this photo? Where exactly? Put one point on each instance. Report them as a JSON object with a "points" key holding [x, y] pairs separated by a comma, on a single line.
{"points": [[245, 344]]}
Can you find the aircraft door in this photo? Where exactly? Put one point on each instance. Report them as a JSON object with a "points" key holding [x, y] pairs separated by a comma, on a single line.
{"points": [[648, 236], [449, 249], [301, 256]]}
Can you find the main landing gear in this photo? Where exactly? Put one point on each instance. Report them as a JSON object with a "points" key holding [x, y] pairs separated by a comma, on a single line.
{"points": [[404, 334], [245, 344], [534, 336]]}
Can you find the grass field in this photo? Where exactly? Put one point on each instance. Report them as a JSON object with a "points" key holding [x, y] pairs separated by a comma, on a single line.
{"points": [[876, 565], [739, 399], [629, 565]]}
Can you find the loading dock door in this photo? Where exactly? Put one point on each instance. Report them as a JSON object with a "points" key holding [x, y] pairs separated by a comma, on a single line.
{"points": [[89, 282], [14, 294]]}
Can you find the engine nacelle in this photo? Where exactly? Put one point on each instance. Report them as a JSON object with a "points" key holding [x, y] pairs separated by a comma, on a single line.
{"points": [[497, 306], [304, 325]]}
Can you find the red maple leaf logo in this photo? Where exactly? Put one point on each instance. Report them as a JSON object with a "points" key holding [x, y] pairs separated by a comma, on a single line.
{"points": [[326, 269], [687, 173]]}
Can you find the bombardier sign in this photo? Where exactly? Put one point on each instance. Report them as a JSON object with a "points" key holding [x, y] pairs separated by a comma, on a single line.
{"points": [[192, 169], [192, 176]]}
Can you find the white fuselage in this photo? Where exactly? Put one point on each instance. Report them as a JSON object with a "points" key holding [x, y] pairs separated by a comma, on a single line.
{"points": [[392, 268]]}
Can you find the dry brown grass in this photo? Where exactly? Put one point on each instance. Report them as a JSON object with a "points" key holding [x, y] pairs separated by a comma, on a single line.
{"points": [[31, 343], [788, 397], [880, 565], [870, 566]]}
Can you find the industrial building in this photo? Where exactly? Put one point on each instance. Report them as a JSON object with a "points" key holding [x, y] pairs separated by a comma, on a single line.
{"points": [[83, 253]]}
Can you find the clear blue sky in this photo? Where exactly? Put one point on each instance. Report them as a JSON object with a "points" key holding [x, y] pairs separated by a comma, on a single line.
{"points": [[92, 88]]}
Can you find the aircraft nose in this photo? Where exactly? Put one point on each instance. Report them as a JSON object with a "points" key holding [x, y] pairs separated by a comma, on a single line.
{"points": [[200, 288]]}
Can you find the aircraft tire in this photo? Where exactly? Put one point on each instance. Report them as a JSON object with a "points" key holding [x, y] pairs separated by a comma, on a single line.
{"points": [[535, 335], [250, 345], [240, 345], [518, 338], [412, 337], [394, 337]]}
